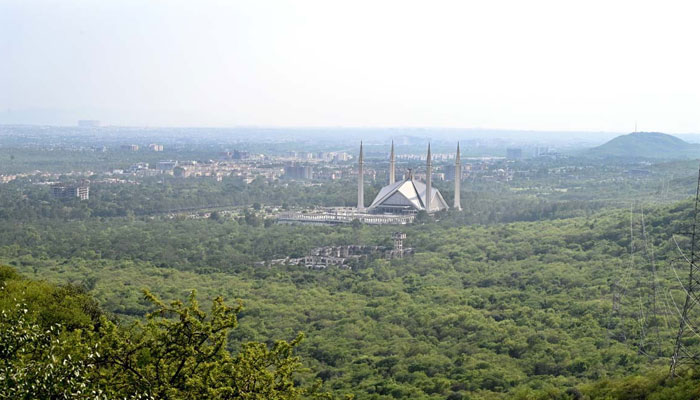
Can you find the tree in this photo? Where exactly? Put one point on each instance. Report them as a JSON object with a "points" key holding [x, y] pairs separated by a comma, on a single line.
{"points": [[176, 354], [179, 353], [422, 217], [41, 363]]}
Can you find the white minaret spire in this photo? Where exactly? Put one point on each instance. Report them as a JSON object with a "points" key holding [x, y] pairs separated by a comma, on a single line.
{"points": [[458, 181], [360, 182], [428, 187], [392, 165]]}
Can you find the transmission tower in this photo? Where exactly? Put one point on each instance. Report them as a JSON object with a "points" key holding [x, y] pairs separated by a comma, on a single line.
{"points": [[682, 354], [636, 288], [654, 310]]}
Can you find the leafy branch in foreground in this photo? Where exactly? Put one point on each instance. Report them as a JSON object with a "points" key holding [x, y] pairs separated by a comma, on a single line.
{"points": [[179, 352]]}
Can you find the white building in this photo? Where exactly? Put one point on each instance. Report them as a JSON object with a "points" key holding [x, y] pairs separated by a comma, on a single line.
{"points": [[403, 197]]}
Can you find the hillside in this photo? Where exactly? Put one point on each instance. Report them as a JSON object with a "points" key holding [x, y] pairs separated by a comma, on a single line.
{"points": [[519, 310], [647, 145]]}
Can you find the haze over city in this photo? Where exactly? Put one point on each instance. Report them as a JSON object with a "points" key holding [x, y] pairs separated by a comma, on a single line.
{"points": [[536, 65]]}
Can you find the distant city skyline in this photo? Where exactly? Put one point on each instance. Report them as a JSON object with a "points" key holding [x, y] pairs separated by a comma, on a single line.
{"points": [[540, 65]]}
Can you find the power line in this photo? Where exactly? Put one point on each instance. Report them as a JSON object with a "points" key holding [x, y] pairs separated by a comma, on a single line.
{"points": [[681, 354]]}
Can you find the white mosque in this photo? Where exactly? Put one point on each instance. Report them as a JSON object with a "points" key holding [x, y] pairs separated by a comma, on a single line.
{"points": [[396, 203], [407, 196]]}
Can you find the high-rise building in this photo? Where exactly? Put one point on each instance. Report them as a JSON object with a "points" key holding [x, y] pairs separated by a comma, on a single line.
{"points": [[81, 191], [342, 156], [166, 166], [514, 153], [130, 147], [541, 151], [305, 155], [301, 172]]}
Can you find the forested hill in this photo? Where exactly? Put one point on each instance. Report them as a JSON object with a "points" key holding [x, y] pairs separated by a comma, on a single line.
{"points": [[647, 145], [56, 343], [511, 310]]}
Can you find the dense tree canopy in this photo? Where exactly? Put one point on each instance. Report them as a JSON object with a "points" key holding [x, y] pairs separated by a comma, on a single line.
{"points": [[521, 309], [558, 284], [55, 343]]}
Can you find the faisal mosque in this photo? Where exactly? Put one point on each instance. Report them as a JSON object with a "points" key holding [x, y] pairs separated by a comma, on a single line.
{"points": [[409, 195], [396, 203]]}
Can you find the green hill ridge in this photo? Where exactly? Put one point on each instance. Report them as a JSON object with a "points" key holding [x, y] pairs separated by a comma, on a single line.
{"points": [[647, 145]]}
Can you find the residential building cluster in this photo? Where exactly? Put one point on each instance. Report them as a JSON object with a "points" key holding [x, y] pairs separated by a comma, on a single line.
{"points": [[344, 256]]}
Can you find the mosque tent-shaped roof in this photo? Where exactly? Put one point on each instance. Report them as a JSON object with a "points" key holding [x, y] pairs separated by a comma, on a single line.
{"points": [[407, 195]]}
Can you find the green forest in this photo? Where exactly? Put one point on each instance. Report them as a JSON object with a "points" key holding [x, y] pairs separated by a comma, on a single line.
{"points": [[545, 309], [562, 283]]}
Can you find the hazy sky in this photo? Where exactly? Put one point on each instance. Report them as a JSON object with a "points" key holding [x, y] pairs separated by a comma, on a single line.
{"points": [[572, 65]]}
